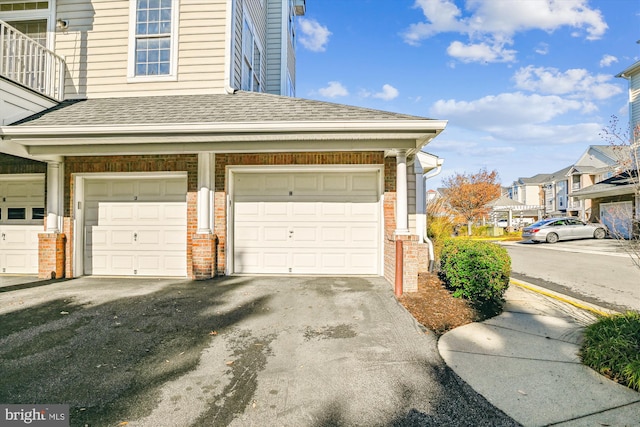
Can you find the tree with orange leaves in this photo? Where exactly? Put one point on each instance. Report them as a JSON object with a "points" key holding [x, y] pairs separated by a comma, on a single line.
{"points": [[468, 194]]}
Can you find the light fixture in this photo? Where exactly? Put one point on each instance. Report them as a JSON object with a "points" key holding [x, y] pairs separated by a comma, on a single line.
{"points": [[62, 24]]}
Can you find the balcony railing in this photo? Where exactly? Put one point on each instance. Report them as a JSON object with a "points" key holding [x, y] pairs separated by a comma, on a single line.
{"points": [[28, 63]]}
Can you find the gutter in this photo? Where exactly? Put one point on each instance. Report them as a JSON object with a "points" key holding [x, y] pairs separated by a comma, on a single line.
{"points": [[425, 177], [229, 48]]}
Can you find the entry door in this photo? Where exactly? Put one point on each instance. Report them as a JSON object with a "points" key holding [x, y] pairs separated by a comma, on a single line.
{"points": [[306, 223], [136, 227], [21, 219]]}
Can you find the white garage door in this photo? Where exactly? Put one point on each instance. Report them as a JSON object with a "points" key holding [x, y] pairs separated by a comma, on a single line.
{"points": [[136, 227], [21, 219], [618, 218], [306, 223]]}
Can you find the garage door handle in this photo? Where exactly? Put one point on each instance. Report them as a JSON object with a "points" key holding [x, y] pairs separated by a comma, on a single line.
{"points": [[3, 236], [135, 237]]}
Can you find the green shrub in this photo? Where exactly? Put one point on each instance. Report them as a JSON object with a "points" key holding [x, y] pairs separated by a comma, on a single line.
{"points": [[476, 270], [611, 346]]}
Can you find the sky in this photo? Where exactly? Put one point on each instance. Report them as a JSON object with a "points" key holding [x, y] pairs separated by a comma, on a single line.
{"points": [[525, 85]]}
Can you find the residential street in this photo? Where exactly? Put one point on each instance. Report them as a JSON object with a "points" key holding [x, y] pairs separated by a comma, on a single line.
{"points": [[243, 351], [596, 271]]}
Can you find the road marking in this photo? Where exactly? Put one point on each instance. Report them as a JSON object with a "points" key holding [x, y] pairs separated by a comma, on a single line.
{"points": [[600, 311]]}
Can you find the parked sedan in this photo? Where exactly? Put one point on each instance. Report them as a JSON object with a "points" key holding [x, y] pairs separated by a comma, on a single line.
{"points": [[553, 229]]}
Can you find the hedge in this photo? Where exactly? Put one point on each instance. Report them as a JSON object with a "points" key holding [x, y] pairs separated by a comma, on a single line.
{"points": [[475, 270]]}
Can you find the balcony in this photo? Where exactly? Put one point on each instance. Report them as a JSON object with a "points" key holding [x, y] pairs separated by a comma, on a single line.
{"points": [[29, 64]]}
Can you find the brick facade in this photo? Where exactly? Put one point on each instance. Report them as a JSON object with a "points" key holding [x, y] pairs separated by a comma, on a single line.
{"points": [[51, 255], [207, 254]]}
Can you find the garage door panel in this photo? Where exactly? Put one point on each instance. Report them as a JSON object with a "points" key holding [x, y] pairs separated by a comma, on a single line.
{"points": [[260, 262], [124, 189], [248, 234], [136, 227], [274, 234], [319, 227], [22, 261], [22, 204], [272, 184]]}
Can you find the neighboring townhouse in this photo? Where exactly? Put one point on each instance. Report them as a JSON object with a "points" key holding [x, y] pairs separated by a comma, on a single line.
{"points": [[615, 200], [528, 190], [598, 163], [555, 192], [167, 143]]}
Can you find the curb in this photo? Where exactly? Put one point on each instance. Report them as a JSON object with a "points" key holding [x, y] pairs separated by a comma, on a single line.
{"points": [[593, 308]]}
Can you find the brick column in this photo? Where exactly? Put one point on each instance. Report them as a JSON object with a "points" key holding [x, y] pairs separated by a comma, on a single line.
{"points": [[51, 255], [204, 247]]}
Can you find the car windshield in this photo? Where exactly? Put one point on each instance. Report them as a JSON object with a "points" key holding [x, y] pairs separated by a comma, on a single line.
{"points": [[542, 222]]}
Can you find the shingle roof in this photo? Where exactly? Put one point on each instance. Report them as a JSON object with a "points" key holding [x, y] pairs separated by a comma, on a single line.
{"points": [[240, 107]]}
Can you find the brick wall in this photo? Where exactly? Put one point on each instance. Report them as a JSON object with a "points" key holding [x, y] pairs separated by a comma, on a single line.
{"points": [[51, 260], [15, 165]]}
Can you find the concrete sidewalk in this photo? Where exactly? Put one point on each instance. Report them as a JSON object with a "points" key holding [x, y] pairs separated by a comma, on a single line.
{"points": [[525, 362]]}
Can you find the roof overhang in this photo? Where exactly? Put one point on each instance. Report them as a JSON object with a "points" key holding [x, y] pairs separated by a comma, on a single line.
{"points": [[620, 190], [634, 68], [409, 135]]}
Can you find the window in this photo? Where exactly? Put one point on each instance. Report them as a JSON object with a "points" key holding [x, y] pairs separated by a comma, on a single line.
{"points": [[152, 50], [251, 59], [291, 26], [16, 213], [14, 6], [37, 213]]}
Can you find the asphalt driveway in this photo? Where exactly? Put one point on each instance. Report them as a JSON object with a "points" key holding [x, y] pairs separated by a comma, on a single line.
{"points": [[245, 351]]}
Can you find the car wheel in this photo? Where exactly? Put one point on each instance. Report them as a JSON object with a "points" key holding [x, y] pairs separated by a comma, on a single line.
{"points": [[552, 238], [599, 233]]}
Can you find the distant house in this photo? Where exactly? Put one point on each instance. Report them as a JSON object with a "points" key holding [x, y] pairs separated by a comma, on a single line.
{"points": [[163, 139], [598, 163], [555, 192], [528, 190], [615, 199]]}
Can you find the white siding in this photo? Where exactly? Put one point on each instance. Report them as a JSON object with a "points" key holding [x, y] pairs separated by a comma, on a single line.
{"points": [[411, 201], [17, 103], [634, 99], [96, 49], [274, 46]]}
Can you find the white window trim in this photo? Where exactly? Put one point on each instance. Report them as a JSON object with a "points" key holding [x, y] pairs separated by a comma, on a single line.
{"points": [[34, 15], [256, 43], [131, 66]]}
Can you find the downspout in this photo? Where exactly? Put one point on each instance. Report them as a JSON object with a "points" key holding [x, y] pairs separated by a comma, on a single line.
{"points": [[425, 237], [229, 48]]}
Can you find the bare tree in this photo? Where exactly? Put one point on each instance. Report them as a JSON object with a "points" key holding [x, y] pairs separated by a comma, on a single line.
{"points": [[626, 223], [468, 194]]}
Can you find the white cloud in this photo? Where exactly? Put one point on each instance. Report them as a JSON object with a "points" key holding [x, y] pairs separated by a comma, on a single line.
{"points": [[576, 82], [442, 16], [490, 23], [506, 109], [542, 49], [480, 52], [388, 93], [333, 90], [607, 60], [511, 119], [314, 36]]}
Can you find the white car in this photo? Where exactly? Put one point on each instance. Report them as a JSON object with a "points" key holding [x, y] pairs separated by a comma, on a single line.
{"points": [[553, 229]]}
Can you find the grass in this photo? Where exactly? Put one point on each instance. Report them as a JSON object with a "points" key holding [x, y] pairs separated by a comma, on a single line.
{"points": [[612, 347]]}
